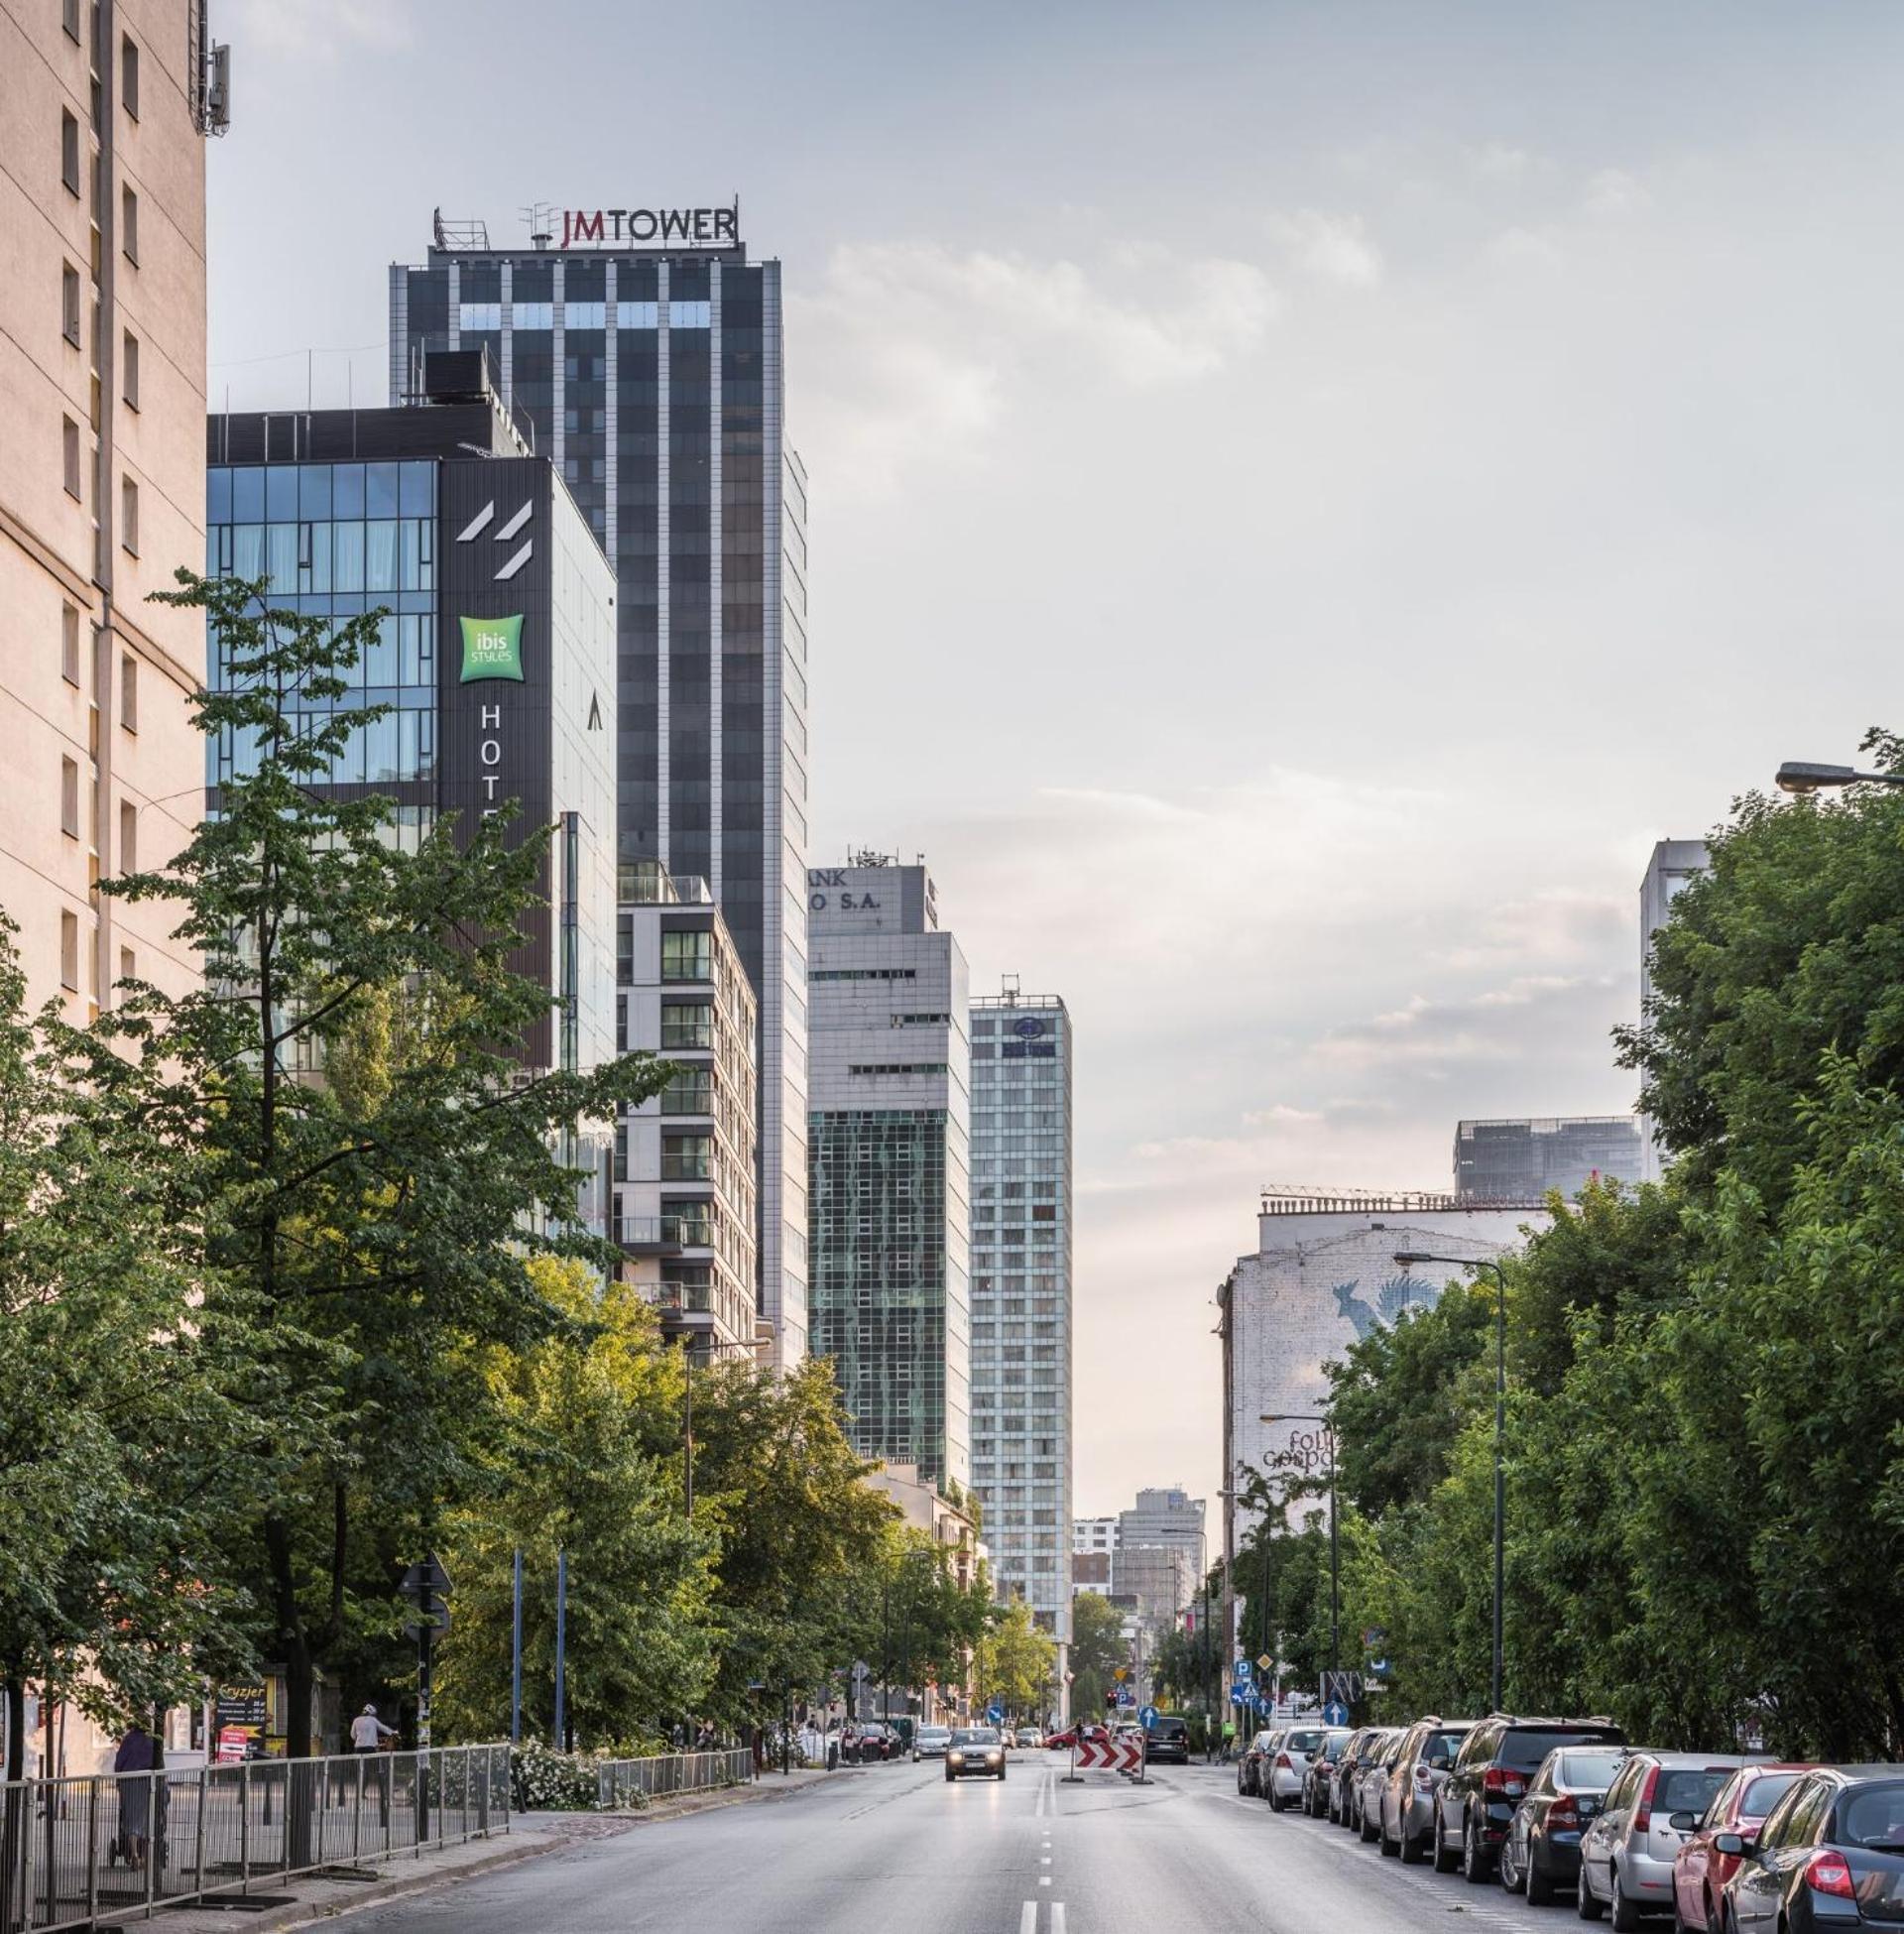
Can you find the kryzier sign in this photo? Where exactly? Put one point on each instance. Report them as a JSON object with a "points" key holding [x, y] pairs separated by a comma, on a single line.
{"points": [[656, 227]]}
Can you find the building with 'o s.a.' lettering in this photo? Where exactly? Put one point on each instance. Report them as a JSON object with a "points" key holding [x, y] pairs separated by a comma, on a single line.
{"points": [[495, 655]]}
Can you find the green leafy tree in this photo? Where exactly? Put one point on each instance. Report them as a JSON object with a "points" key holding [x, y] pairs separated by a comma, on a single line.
{"points": [[587, 1465], [1097, 1645], [382, 1231], [1016, 1659]]}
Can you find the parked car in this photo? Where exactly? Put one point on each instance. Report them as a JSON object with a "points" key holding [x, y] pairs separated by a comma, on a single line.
{"points": [[1427, 1756], [1249, 1762], [1740, 1806], [1167, 1743], [1541, 1855], [876, 1740], [1373, 1783], [1831, 1854], [1319, 1781], [1477, 1801], [1028, 1739], [975, 1752], [1289, 1764], [1363, 1747], [1627, 1856], [930, 1743], [1072, 1735]]}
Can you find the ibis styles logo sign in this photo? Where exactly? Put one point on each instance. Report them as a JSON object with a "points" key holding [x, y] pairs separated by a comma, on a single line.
{"points": [[492, 649]]}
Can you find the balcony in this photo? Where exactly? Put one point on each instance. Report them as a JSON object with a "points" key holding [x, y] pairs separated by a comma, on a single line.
{"points": [[647, 1235], [647, 883]]}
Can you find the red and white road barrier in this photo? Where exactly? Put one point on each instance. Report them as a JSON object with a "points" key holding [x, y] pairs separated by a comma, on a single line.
{"points": [[1110, 1755]]}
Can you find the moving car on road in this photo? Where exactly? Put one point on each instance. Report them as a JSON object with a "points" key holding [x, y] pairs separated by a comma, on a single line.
{"points": [[1288, 1764], [1627, 1856], [930, 1743], [1831, 1854], [1477, 1801], [1541, 1855], [876, 1740], [1028, 1739], [1319, 1781], [1700, 1870], [976, 1752], [1167, 1743], [1426, 1758]]}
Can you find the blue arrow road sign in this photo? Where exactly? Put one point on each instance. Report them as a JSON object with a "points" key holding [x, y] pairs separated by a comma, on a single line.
{"points": [[1335, 1714], [1149, 1717], [996, 1713], [1238, 1696]]}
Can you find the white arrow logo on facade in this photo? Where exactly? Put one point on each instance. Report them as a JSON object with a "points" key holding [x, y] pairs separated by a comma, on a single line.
{"points": [[528, 551]]}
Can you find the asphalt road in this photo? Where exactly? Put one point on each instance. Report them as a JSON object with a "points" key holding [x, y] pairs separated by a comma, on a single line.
{"points": [[897, 1847]]}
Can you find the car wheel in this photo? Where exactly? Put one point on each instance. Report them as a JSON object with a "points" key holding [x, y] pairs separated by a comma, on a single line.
{"points": [[1587, 1903], [950, 1776], [1275, 1798], [1540, 1886], [1445, 1861], [1363, 1826], [1389, 1848], [1413, 1850], [1626, 1913], [1473, 1858], [1507, 1869]]}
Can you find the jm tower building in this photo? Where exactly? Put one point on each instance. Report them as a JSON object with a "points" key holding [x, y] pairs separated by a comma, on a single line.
{"points": [[644, 350], [889, 1137], [1021, 1296]]}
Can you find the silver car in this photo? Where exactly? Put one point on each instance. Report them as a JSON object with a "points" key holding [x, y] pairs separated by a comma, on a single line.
{"points": [[1287, 1762], [930, 1743], [1371, 1782], [1426, 1758], [1626, 1855]]}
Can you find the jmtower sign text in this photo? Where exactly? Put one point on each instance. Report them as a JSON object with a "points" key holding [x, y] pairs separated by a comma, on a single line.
{"points": [[656, 227]]}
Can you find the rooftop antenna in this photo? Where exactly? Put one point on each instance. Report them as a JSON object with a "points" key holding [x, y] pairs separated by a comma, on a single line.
{"points": [[537, 216], [1009, 988]]}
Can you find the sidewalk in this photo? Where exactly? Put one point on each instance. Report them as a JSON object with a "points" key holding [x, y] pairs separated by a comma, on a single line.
{"points": [[313, 1898]]}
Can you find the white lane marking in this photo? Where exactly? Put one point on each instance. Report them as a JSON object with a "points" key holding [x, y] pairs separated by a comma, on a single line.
{"points": [[1045, 1860], [1045, 1882], [1028, 1920], [1057, 1917]]}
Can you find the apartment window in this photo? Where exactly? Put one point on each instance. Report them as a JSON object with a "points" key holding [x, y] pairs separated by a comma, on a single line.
{"points": [[69, 17], [69, 644], [69, 151], [69, 797], [129, 693], [69, 448], [129, 364], [129, 515], [686, 1026], [128, 964], [69, 952], [69, 304], [128, 837], [129, 74], [687, 956], [129, 225]]}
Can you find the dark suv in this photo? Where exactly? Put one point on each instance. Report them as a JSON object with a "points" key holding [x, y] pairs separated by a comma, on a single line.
{"points": [[1169, 1742], [1490, 1774]]}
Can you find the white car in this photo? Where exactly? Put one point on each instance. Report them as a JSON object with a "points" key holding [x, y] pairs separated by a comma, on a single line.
{"points": [[1283, 1770], [1028, 1739], [930, 1743]]}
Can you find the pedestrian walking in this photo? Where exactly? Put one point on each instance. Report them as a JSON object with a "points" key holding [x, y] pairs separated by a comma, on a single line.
{"points": [[367, 1734], [136, 1757]]}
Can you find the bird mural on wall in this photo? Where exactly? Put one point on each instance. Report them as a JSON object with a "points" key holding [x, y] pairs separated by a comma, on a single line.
{"points": [[1393, 1299]]}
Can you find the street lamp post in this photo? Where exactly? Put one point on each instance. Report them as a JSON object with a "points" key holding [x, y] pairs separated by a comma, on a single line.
{"points": [[1335, 1539], [1804, 775], [1405, 1257]]}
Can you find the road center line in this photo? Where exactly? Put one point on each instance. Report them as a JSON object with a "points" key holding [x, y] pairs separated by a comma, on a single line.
{"points": [[1057, 1917], [1028, 1920]]}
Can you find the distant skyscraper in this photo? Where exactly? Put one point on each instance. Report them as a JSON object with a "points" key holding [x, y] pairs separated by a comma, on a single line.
{"points": [[1520, 1160], [1675, 864], [646, 350], [888, 1131], [1021, 1060]]}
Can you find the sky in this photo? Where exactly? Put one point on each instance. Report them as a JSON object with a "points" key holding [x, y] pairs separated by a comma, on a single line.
{"points": [[1303, 497]]}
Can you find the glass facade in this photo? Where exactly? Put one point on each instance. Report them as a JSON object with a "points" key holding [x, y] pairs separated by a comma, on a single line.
{"points": [[1022, 1297], [654, 382], [338, 540], [879, 1277]]}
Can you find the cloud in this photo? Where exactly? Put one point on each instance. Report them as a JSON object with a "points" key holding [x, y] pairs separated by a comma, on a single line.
{"points": [[1614, 192], [1437, 1039], [323, 28], [913, 352], [1330, 248]]}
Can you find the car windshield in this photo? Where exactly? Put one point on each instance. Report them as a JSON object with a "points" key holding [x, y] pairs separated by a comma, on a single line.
{"points": [[1589, 1773], [1304, 1739], [1764, 1793], [1172, 1729], [1442, 1745], [978, 1736], [1524, 1751], [933, 1733], [1688, 1789], [1332, 1747], [1872, 1818]]}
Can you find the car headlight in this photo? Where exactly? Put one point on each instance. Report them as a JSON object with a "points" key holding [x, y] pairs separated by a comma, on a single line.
{"points": [[957, 1757], [991, 1757]]}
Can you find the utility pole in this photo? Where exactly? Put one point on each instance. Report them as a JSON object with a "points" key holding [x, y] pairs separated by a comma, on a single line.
{"points": [[560, 1741], [516, 1657]]}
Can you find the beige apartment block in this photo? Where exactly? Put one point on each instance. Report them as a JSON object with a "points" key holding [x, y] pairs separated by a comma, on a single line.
{"points": [[103, 107]]}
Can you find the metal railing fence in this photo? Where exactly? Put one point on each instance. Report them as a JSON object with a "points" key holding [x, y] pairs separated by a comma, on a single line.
{"points": [[617, 1782], [120, 1844]]}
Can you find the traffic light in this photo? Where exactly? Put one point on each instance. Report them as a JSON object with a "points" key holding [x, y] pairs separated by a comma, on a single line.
{"points": [[1110, 1702]]}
